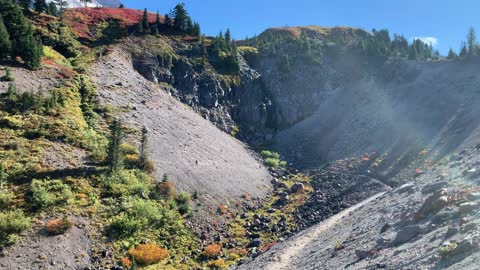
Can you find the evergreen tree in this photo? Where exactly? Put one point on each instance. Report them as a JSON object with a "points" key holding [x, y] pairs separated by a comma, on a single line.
{"points": [[228, 37], [157, 21], [121, 5], [412, 53], [180, 17], [40, 6], [25, 4], [472, 42], [52, 9], [144, 22], [196, 31], [167, 20], [451, 54], [5, 43], [114, 158], [463, 51], [11, 92], [144, 147]]}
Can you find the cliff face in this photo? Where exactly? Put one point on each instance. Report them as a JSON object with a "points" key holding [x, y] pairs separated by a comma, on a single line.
{"points": [[329, 100]]}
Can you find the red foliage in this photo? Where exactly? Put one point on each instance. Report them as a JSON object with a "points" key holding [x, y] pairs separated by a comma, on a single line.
{"points": [[81, 20], [268, 246]]}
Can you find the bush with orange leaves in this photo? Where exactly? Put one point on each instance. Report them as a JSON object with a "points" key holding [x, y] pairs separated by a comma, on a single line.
{"points": [[58, 226], [166, 189], [147, 254], [222, 209], [212, 251], [217, 264], [126, 262]]}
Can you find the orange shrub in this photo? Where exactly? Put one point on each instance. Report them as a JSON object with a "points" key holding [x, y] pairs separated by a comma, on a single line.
{"points": [[58, 226], [222, 209], [212, 251], [166, 189], [147, 254], [126, 262], [217, 264]]}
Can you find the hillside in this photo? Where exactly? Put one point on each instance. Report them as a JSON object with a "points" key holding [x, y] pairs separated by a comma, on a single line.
{"points": [[128, 142]]}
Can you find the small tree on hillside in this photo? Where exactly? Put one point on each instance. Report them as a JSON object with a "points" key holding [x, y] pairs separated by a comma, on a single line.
{"points": [[167, 20], [121, 5], [40, 6], [472, 42], [144, 148], [114, 158], [463, 51], [451, 54], [52, 9], [144, 25], [5, 43], [181, 17]]}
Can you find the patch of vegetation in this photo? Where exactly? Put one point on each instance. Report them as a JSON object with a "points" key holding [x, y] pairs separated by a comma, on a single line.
{"points": [[445, 250], [46, 193], [272, 159], [12, 222], [58, 226], [147, 254]]}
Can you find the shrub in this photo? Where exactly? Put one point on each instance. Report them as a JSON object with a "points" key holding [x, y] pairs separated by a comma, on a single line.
{"points": [[217, 264], [147, 254], [212, 251], [8, 75], [166, 189], [12, 222], [183, 198], [266, 154], [222, 209], [271, 162], [446, 250], [6, 198], [184, 209], [58, 226], [126, 262], [49, 192], [128, 149], [125, 225], [128, 182]]}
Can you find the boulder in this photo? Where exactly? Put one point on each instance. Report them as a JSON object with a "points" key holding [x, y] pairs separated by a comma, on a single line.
{"points": [[407, 233], [407, 188], [297, 187], [468, 207], [433, 204], [257, 242], [434, 187]]}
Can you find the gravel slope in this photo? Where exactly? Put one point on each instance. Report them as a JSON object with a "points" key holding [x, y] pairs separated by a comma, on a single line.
{"points": [[401, 229], [194, 153]]}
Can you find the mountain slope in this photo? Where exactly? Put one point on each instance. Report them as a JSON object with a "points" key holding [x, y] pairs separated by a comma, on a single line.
{"points": [[195, 155]]}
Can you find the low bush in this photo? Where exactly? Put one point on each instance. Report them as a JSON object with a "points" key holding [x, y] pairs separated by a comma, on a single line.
{"points": [[222, 209], [183, 198], [126, 262], [271, 162], [212, 251], [6, 198], [45, 193], [12, 222], [272, 159], [217, 264], [8, 75], [166, 189], [58, 226], [127, 183], [147, 254]]}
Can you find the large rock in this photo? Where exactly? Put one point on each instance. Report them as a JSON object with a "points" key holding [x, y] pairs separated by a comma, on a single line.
{"points": [[407, 233], [434, 187], [433, 204]]}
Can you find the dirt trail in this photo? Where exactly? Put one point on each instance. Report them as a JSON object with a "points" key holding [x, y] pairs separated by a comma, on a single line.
{"points": [[282, 260]]}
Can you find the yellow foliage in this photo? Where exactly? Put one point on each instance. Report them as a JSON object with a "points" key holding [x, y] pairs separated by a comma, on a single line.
{"points": [[147, 254]]}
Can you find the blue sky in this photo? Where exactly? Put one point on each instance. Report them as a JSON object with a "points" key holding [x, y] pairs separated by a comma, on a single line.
{"points": [[445, 21]]}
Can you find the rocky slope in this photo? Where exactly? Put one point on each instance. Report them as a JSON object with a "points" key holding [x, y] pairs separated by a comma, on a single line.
{"points": [[189, 149], [432, 222]]}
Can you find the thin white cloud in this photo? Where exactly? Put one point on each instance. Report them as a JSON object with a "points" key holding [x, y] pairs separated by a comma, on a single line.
{"points": [[428, 40]]}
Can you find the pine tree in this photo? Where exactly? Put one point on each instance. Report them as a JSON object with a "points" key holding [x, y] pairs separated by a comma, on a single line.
{"points": [[40, 6], [472, 42], [25, 4], [121, 5], [144, 22], [114, 158], [451, 54], [180, 17], [11, 92], [157, 21], [144, 148], [167, 20], [3, 176], [463, 51], [413, 53], [228, 37], [52, 9], [5, 43], [196, 30]]}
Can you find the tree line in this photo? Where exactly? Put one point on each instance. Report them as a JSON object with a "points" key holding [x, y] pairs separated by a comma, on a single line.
{"points": [[16, 36]]}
